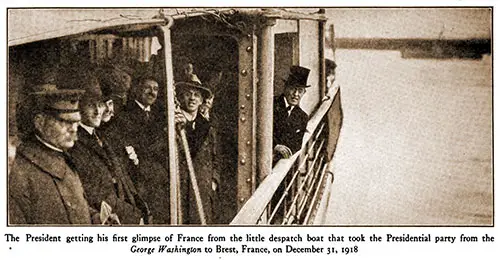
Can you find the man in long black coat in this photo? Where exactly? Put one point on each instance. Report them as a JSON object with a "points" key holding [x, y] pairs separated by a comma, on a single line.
{"points": [[137, 135], [289, 120], [101, 172], [201, 141]]}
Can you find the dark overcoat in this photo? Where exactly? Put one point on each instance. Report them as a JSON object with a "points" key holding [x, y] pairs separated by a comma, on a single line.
{"points": [[44, 189], [132, 127], [288, 130], [104, 179]]}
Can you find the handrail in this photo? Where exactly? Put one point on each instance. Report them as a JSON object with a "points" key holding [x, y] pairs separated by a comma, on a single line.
{"points": [[320, 113], [317, 194], [255, 205], [252, 210], [323, 204]]}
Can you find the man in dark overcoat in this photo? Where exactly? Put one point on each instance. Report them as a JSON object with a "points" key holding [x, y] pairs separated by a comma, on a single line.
{"points": [[201, 141], [44, 187], [105, 181], [137, 135], [289, 120]]}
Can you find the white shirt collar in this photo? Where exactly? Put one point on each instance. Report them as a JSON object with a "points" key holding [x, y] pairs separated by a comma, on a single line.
{"points": [[147, 109], [188, 116], [48, 145], [87, 128], [287, 105]]}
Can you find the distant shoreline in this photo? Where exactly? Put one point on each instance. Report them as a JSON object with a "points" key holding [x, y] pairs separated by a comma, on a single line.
{"points": [[422, 48]]}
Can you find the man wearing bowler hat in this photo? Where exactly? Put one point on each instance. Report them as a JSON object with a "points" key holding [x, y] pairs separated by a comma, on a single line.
{"points": [[44, 187], [289, 120], [107, 185], [201, 140]]}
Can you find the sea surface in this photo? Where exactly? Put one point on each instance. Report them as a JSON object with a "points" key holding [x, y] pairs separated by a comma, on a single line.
{"points": [[416, 143]]}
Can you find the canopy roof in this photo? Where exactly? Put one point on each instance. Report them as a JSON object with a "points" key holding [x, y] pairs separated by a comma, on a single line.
{"points": [[29, 25]]}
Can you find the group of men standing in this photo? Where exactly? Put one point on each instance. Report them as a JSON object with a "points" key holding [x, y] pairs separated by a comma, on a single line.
{"points": [[81, 164], [77, 165]]}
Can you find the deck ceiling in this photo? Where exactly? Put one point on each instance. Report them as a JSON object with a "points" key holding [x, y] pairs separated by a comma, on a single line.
{"points": [[30, 25]]}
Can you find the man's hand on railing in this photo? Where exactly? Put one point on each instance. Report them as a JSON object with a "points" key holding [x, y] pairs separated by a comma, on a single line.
{"points": [[281, 152]]}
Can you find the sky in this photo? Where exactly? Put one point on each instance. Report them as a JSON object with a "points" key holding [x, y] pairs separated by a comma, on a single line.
{"points": [[454, 23]]}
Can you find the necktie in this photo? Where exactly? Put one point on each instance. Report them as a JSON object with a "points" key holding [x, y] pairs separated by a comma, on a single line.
{"points": [[289, 110], [190, 125], [97, 139]]}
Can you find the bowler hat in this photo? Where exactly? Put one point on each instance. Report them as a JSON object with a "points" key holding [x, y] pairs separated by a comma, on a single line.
{"points": [[297, 77], [196, 84], [113, 82], [93, 92], [330, 64], [48, 98]]}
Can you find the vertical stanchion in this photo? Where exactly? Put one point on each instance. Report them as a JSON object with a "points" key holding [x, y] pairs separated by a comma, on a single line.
{"points": [[169, 96]]}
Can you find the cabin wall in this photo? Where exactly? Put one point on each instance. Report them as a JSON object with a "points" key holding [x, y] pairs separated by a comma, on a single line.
{"points": [[309, 58], [297, 43], [286, 26], [286, 51], [283, 60]]}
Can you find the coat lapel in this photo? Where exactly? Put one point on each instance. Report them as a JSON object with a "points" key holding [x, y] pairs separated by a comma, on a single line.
{"points": [[88, 141]]}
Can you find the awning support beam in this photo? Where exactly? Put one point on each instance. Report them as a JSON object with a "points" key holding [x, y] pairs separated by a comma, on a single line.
{"points": [[172, 146]]}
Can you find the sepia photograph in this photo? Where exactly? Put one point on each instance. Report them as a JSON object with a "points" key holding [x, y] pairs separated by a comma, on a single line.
{"points": [[235, 116]]}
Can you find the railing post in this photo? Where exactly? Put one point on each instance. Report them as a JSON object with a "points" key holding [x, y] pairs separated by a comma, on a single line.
{"points": [[265, 93]]}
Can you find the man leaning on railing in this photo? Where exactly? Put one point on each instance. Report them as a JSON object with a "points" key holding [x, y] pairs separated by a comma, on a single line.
{"points": [[289, 120]]}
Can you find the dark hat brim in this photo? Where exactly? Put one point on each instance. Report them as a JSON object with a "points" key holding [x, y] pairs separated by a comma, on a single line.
{"points": [[207, 93], [60, 93], [294, 84]]}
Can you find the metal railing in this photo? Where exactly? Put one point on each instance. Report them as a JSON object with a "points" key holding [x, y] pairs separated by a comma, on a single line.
{"points": [[295, 190]]}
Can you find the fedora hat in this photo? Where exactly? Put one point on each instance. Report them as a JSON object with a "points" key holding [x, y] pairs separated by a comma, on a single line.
{"points": [[297, 77], [195, 83]]}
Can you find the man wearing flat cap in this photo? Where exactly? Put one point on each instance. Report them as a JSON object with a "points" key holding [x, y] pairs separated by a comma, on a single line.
{"points": [[201, 141], [44, 187], [107, 185], [289, 120]]}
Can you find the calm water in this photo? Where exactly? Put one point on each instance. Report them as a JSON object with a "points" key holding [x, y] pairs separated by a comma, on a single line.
{"points": [[416, 144]]}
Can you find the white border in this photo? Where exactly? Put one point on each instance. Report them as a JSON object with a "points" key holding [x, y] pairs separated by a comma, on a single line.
{"points": [[115, 250]]}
